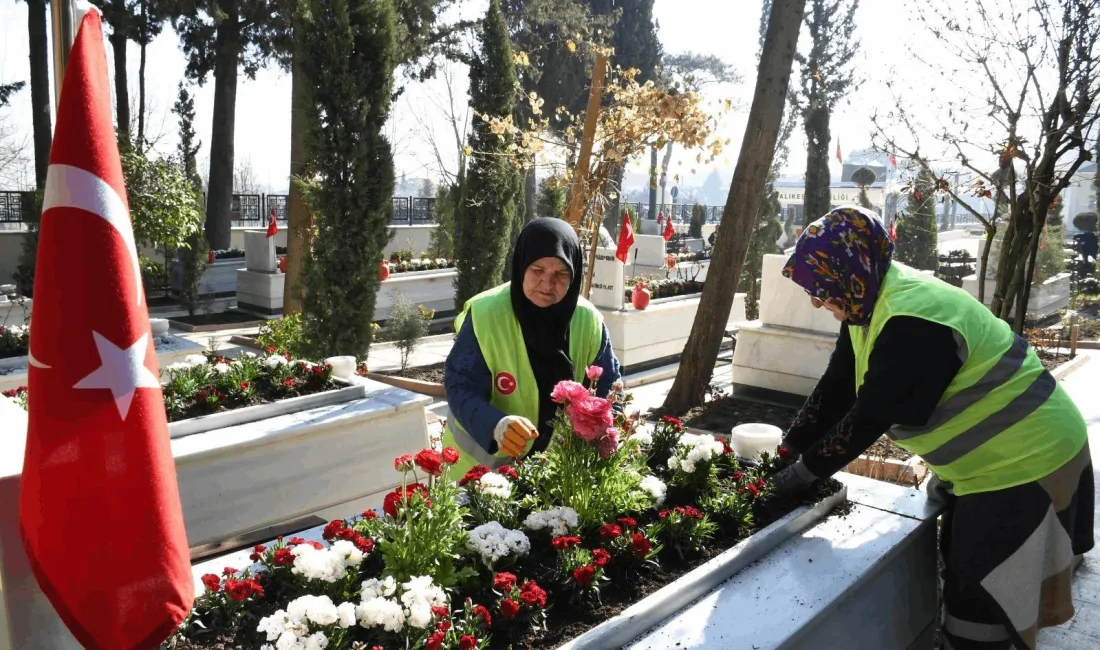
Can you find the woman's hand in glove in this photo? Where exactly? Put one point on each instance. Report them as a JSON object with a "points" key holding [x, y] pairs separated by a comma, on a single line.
{"points": [[795, 478], [512, 434]]}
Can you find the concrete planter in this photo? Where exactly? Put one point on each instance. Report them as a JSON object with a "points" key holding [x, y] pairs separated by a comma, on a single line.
{"points": [[219, 278], [1046, 298], [640, 617], [242, 482], [433, 289], [659, 332], [170, 349], [421, 387]]}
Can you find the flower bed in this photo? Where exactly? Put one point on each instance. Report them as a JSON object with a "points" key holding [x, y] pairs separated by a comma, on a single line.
{"points": [[238, 253], [526, 556], [411, 265], [664, 288], [201, 385], [14, 341]]}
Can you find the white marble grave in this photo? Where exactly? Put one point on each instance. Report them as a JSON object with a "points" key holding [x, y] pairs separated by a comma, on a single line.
{"points": [[260, 285], [607, 280], [788, 349], [434, 289], [660, 332], [648, 250]]}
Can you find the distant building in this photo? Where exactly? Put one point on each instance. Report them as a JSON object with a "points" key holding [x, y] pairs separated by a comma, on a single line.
{"points": [[1080, 195]]}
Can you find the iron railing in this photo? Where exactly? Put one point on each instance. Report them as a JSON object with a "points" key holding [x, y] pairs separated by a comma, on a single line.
{"points": [[12, 206]]}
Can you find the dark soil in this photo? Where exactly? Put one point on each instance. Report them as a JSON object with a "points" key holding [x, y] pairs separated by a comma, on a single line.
{"points": [[432, 373], [885, 448], [566, 621], [162, 301], [228, 317], [723, 414]]}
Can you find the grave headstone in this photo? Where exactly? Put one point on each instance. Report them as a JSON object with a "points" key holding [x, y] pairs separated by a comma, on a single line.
{"points": [[259, 251], [607, 280], [651, 250]]}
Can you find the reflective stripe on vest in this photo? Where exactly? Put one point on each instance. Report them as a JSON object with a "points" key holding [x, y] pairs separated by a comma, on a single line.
{"points": [[1004, 420], [514, 390]]}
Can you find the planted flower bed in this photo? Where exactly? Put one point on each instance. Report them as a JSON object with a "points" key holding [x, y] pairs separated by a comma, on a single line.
{"points": [[664, 288], [14, 341], [525, 556]]}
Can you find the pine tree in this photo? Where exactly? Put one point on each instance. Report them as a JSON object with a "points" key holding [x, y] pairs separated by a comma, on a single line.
{"points": [[826, 78], [485, 220], [194, 258], [349, 49], [917, 233]]}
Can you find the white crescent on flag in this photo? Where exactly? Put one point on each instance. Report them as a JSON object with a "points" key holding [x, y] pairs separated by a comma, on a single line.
{"points": [[72, 187]]}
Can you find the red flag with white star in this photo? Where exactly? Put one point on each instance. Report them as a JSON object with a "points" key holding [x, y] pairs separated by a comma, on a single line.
{"points": [[99, 507], [626, 238], [272, 225], [669, 229]]}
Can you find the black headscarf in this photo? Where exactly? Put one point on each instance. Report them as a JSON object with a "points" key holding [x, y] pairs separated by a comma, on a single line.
{"points": [[546, 329]]}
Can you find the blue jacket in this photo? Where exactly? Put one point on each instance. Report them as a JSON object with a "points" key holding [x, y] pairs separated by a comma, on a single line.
{"points": [[468, 383]]}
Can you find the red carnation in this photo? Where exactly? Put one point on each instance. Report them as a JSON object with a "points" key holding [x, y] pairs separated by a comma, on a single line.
{"points": [[566, 542], [640, 545], [467, 642], [601, 557], [663, 514], [784, 453], [628, 522], [585, 574], [440, 611], [475, 474], [611, 531], [403, 463], [364, 544], [483, 612], [316, 545], [509, 471], [738, 475], [450, 455], [294, 541], [332, 529], [509, 608], [444, 626], [690, 512], [435, 641], [284, 557], [241, 589], [395, 498], [504, 581], [257, 552], [532, 594], [348, 534], [228, 571], [212, 583], [726, 449], [431, 461], [370, 514], [289, 382]]}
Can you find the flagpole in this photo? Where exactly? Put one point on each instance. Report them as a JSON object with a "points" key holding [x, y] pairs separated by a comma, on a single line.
{"points": [[62, 34]]}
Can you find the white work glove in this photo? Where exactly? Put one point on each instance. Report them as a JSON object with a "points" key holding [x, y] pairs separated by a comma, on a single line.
{"points": [[512, 434]]}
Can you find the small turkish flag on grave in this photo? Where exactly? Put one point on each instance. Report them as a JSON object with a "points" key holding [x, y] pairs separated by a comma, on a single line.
{"points": [[669, 229], [99, 508], [272, 226], [626, 239]]}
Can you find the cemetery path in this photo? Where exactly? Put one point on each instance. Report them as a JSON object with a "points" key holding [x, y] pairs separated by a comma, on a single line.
{"points": [[1083, 631]]}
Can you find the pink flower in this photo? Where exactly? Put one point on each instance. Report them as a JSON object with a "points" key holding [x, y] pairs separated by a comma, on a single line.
{"points": [[609, 443], [593, 373], [590, 416], [568, 391]]}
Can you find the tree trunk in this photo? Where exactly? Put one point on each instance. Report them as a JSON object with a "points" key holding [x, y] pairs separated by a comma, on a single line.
{"points": [[219, 200], [652, 182], [40, 89], [299, 218], [817, 201], [118, 43], [613, 216], [742, 206], [141, 76], [530, 192], [983, 265], [1025, 290]]}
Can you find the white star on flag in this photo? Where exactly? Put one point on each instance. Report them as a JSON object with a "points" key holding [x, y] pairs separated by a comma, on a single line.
{"points": [[122, 371]]}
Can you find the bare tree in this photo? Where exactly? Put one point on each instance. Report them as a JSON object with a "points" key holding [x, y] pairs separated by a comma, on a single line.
{"points": [[448, 147], [1035, 64], [13, 159], [739, 216], [244, 177]]}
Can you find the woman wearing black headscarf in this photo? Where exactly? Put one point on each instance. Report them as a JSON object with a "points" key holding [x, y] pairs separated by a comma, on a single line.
{"points": [[516, 342]]}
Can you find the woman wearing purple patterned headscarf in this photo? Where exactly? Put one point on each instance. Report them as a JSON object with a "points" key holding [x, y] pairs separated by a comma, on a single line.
{"points": [[930, 367]]}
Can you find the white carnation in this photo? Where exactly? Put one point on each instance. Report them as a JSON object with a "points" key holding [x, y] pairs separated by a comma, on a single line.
{"points": [[493, 542], [275, 360], [221, 368], [673, 463], [375, 588], [381, 612], [315, 609], [346, 612], [329, 564], [273, 625], [655, 488], [643, 437], [316, 641], [194, 360], [559, 520], [494, 485]]}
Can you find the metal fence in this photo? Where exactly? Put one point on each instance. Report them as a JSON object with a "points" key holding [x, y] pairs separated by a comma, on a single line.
{"points": [[12, 206], [681, 213]]}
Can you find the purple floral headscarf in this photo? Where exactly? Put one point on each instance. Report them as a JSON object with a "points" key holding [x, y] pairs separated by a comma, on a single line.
{"points": [[843, 258]]}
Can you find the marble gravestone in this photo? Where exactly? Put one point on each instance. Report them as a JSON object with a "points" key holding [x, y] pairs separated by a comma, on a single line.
{"points": [[260, 285], [259, 251], [607, 280]]}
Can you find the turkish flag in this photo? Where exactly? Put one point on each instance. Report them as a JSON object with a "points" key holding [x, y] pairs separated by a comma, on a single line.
{"points": [[626, 239], [839, 159], [99, 508], [669, 229], [272, 227], [893, 161]]}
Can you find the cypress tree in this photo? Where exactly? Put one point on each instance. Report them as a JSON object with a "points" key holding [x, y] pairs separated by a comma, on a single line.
{"points": [[917, 233], [486, 218], [761, 243], [349, 57]]}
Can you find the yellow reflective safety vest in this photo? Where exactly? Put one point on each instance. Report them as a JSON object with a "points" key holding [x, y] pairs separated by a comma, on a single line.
{"points": [[1004, 420], [514, 391]]}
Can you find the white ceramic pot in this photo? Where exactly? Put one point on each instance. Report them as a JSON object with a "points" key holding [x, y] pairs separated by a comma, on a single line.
{"points": [[159, 326], [749, 440], [342, 367]]}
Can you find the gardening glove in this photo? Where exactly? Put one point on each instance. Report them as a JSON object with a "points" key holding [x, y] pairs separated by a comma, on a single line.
{"points": [[795, 478], [938, 489], [512, 434]]}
